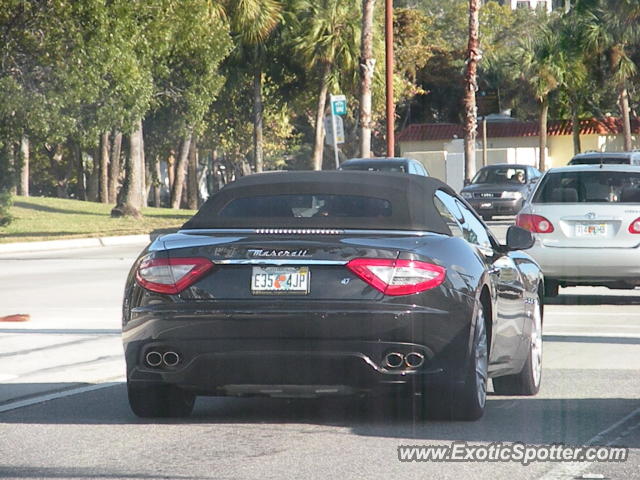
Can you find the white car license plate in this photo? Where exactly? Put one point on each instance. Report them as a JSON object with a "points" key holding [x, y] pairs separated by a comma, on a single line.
{"points": [[485, 205], [280, 280], [591, 229]]}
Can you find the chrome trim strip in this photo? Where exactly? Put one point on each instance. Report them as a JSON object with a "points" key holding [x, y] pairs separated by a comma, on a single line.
{"points": [[277, 261], [312, 231]]}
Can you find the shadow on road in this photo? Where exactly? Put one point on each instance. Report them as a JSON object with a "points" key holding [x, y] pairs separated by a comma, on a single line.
{"points": [[571, 421]]}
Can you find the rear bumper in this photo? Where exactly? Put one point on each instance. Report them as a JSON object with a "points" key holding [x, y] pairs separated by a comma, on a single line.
{"points": [[496, 206], [588, 265], [296, 353]]}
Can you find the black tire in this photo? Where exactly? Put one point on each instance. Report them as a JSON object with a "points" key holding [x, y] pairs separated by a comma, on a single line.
{"points": [[487, 218], [551, 288], [467, 401], [527, 381], [160, 401]]}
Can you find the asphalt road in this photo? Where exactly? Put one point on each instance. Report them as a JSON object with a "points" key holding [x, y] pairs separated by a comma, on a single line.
{"points": [[64, 414]]}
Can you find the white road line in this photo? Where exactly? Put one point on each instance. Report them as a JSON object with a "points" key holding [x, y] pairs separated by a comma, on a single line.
{"points": [[571, 470], [565, 333], [581, 313], [54, 396]]}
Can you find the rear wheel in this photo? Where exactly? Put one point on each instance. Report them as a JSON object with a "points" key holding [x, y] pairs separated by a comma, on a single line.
{"points": [[527, 382], [466, 401], [551, 288], [487, 217], [160, 401]]}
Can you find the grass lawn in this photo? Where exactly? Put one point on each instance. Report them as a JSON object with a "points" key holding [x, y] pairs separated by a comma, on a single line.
{"points": [[41, 218]]}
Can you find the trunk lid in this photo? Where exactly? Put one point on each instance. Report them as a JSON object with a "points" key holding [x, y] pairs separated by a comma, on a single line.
{"points": [[246, 263]]}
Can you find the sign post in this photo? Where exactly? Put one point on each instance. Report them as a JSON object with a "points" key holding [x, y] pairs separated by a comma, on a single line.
{"points": [[338, 108]]}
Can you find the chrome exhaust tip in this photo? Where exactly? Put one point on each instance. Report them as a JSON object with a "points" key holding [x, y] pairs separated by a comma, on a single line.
{"points": [[393, 360], [171, 359], [414, 359], [153, 358]]}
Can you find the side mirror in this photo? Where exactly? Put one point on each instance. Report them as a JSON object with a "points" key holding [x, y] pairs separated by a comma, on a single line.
{"points": [[467, 182], [519, 239]]}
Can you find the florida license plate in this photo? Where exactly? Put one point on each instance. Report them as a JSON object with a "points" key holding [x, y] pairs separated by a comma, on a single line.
{"points": [[591, 229], [280, 280]]}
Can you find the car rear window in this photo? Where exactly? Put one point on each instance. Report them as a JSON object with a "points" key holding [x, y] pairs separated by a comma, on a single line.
{"points": [[599, 160], [307, 206], [599, 186], [376, 167]]}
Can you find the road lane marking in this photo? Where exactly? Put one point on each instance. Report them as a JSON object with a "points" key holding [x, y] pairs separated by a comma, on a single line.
{"points": [[54, 396], [571, 470]]}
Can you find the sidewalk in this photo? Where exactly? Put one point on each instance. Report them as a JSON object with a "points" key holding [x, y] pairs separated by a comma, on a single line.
{"points": [[21, 247]]}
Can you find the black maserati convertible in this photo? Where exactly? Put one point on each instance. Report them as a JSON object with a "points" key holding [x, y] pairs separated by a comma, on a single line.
{"points": [[303, 284]]}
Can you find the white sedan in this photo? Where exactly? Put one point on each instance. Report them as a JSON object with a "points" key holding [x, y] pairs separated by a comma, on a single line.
{"points": [[586, 221]]}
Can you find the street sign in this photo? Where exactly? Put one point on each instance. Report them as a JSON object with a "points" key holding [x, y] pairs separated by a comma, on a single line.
{"points": [[338, 105], [328, 128]]}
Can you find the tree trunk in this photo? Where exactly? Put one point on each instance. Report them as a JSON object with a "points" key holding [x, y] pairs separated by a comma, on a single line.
{"points": [[626, 122], [104, 168], [176, 191], [157, 184], [144, 184], [544, 110], [318, 146], [258, 110], [13, 168], [93, 183], [471, 87], [575, 128], [24, 167], [192, 177], [171, 169], [130, 200], [367, 65], [80, 173], [114, 166]]}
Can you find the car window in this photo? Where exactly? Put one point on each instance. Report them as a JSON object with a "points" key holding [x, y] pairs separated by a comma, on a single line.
{"points": [[500, 175], [307, 206], [376, 167], [598, 186], [447, 215], [472, 229]]}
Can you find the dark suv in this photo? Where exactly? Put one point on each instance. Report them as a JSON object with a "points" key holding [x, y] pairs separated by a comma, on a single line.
{"points": [[500, 189]]}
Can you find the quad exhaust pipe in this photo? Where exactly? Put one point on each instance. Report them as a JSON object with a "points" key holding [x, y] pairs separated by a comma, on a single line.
{"points": [[155, 359], [397, 360]]}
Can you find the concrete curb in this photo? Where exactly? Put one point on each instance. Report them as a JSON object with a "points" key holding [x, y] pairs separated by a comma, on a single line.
{"points": [[23, 247]]}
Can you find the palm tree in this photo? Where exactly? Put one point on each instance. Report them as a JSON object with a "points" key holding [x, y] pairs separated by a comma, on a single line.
{"points": [[252, 23], [612, 27], [367, 65], [544, 64], [471, 87], [328, 42]]}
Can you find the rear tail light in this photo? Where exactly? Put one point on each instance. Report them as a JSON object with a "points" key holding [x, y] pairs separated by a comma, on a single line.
{"points": [[171, 275], [397, 277], [534, 223], [635, 226]]}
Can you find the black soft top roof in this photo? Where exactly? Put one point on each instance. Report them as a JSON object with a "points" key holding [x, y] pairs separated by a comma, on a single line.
{"points": [[411, 198]]}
